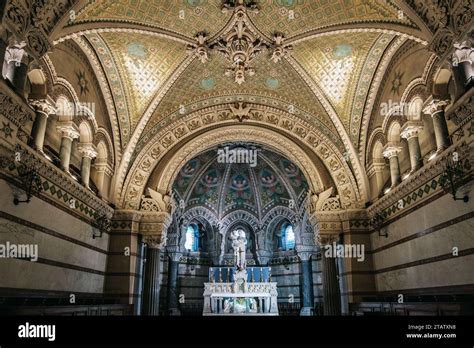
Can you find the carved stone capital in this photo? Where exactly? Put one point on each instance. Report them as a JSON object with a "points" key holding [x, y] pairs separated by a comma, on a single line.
{"points": [[391, 150], [153, 241], [435, 106], [464, 52], [16, 53], [87, 150], [43, 106], [327, 238], [411, 129], [68, 130]]}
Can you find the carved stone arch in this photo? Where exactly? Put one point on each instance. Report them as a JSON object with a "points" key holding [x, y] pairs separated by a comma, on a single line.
{"points": [[393, 130], [388, 123], [103, 136], [376, 136], [237, 216], [193, 145], [200, 212], [240, 218], [274, 217], [207, 219], [297, 142]]}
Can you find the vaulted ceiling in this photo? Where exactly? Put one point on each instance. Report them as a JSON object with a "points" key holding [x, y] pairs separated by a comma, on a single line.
{"points": [[328, 77]]}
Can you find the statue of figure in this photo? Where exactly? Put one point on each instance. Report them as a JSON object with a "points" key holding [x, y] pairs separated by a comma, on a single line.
{"points": [[239, 244]]}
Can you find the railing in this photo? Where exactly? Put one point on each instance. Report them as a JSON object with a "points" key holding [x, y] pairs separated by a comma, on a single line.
{"points": [[411, 309]]}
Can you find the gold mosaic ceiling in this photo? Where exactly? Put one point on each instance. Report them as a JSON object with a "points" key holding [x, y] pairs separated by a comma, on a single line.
{"points": [[138, 65]]}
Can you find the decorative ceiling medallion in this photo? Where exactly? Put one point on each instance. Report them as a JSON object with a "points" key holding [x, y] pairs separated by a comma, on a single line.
{"points": [[240, 42], [397, 82], [82, 82]]}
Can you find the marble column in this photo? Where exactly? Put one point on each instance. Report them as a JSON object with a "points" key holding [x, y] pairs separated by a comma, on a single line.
{"points": [[306, 284], [391, 151], [17, 62], [173, 291], [3, 44], [43, 108], [88, 153], [331, 290], [436, 109], [69, 132], [151, 288], [463, 58], [410, 131], [154, 228]]}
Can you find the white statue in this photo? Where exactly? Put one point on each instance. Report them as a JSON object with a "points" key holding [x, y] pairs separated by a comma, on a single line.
{"points": [[239, 244]]}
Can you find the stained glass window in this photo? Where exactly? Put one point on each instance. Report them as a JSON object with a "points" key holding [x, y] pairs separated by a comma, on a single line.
{"points": [[192, 238]]}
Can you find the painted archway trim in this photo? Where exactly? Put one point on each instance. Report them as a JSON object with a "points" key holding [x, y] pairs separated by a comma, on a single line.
{"points": [[192, 145]]}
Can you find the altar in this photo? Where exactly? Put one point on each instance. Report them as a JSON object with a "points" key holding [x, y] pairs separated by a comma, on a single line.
{"points": [[247, 292], [240, 290]]}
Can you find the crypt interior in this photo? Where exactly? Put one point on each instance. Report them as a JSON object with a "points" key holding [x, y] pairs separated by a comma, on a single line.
{"points": [[115, 115]]}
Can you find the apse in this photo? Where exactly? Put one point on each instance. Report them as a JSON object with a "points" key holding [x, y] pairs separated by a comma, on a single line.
{"points": [[223, 191]]}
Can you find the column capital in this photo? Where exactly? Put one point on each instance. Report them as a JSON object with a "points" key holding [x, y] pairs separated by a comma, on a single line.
{"points": [[16, 52], [464, 52], [87, 150], [154, 227], [304, 255], [153, 242], [327, 239], [435, 106], [43, 106], [392, 149], [411, 129], [68, 130]]}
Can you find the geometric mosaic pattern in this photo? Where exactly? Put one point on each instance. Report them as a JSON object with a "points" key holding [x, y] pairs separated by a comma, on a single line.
{"points": [[186, 17], [413, 197], [335, 62], [342, 65], [275, 15], [144, 63], [278, 81]]}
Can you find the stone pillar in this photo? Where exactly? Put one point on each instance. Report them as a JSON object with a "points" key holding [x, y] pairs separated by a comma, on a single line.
{"points": [[331, 291], [43, 109], [410, 131], [436, 109], [391, 151], [173, 291], [154, 228], [17, 62], [3, 44], [307, 284], [151, 288], [463, 59], [88, 153], [69, 132]]}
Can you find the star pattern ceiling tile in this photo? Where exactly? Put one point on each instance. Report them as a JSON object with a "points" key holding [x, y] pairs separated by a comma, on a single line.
{"points": [[292, 17], [335, 64], [206, 81], [144, 63], [187, 17]]}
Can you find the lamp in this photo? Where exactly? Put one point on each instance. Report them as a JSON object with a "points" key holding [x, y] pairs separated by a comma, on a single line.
{"points": [[30, 183], [451, 179], [377, 222], [103, 224]]}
